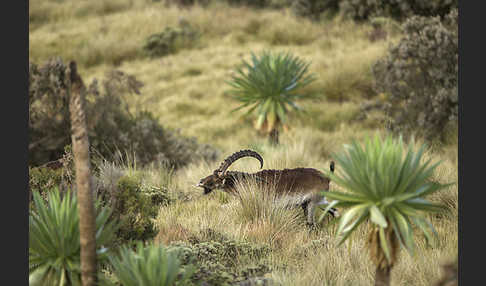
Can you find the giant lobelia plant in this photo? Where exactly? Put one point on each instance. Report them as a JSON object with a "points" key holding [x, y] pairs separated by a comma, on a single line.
{"points": [[54, 247], [149, 265], [387, 187], [269, 88]]}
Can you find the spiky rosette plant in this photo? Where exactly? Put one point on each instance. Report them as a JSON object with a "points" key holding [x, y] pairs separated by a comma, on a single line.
{"points": [[386, 187], [54, 247], [269, 88], [150, 265]]}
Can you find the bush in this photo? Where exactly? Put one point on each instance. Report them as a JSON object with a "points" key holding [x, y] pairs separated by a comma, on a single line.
{"points": [[185, 3], [397, 9], [313, 9], [112, 126], [171, 40], [419, 76], [51, 175], [134, 210], [49, 123], [54, 246], [41, 180], [222, 262], [251, 3]]}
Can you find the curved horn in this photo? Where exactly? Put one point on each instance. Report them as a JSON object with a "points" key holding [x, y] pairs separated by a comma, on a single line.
{"points": [[235, 156]]}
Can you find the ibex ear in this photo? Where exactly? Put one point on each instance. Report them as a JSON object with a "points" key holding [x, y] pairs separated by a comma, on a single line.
{"points": [[216, 173]]}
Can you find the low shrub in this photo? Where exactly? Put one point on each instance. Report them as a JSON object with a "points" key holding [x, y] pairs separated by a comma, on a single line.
{"points": [[313, 9], [41, 180], [222, 262], [134, 197], [419, 77], [185, 3], [171, 40], [397, 9], [251, 3], [134, 210], [51, 175]]}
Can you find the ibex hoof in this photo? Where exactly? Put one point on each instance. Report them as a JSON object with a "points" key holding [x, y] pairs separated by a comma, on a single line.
{"points": [[311, 226]]}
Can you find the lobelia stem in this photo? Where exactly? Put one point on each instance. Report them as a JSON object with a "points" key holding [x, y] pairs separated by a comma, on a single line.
{"points": [[87, 226]]}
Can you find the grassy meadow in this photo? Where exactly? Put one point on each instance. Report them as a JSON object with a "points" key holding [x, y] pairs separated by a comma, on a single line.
{"points": [[187, 92]]}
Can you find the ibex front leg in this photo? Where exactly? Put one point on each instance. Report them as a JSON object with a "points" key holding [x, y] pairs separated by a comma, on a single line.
{"points": [[310, 207]]}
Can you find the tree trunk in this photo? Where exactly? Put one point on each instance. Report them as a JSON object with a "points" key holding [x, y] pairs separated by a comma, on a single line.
{"points": [[273, 137], [382, 276], [87, 226]]}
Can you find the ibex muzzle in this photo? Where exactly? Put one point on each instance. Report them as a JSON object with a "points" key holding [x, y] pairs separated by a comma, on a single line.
{"points": [[300, 186]]}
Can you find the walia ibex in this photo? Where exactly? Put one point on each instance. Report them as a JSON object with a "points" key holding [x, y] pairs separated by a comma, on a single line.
{"points": [[298, 187]]}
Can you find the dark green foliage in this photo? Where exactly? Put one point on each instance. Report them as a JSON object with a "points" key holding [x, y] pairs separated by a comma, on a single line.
{"points": [[313, 9], [134, 210], [397, 9], [221, 261], [158, 196], [150, 265], [42, 180], [54, 246], [49, 123], [171, 40], [272, 4], [186, 3], [134, 205], [180, 3], [420, 76], [182, 151], [112, 126], [54, 174], [251, 3]]}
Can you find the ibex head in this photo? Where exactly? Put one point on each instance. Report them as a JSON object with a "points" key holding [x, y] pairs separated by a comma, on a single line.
{"points": [[218, 178]]}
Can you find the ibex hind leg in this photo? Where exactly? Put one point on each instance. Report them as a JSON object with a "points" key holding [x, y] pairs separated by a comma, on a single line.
{"points": [[308, 206], [304, 207]]}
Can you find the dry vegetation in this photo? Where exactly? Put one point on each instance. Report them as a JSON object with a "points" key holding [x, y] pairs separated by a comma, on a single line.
{"points": [[187, 91]]}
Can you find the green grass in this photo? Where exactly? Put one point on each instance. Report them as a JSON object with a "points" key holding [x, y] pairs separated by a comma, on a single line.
{"points": [[187, 91]]}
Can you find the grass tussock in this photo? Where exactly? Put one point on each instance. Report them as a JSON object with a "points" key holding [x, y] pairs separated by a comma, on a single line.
{"points": [[264, 217]]}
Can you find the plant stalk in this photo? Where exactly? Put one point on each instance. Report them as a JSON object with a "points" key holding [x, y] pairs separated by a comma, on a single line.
{"points": [[382, 276], [87, 226], [273, 137]]}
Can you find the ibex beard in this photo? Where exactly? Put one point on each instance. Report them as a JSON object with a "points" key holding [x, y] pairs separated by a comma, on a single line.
{"points": [[293, 187]]}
